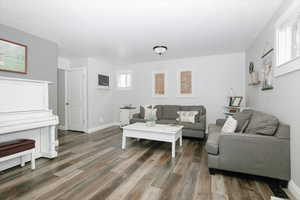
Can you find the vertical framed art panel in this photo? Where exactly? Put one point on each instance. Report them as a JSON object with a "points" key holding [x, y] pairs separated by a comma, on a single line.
{"points": [[13, 57], [159, 88], [185, 83]]}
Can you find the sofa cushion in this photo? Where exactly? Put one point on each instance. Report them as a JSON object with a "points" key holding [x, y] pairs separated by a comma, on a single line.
{"points": [[242, 118], [212, 143], [201, 110], [214, 128], [166, 121], [170, 112], [159, 112], [262, 123], [194, 126], [135, 120]]}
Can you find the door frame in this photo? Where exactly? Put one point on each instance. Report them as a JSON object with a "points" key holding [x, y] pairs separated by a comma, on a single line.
{"points": [[84, 86]]}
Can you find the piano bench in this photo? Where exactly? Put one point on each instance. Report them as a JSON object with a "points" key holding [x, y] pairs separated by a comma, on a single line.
{"points": [[18, 148]]}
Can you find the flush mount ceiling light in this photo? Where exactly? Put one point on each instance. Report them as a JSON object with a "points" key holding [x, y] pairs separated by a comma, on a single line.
{"points": [[160, 50]]}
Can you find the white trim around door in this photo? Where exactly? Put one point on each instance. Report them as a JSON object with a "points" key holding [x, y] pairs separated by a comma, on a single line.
{"points": [[84, 88]]}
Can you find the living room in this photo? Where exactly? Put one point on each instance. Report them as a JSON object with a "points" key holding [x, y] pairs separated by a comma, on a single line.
{"points": [[149, 100]]}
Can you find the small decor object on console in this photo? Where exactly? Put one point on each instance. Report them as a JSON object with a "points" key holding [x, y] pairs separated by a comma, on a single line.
{"points": [[234, 105], [13, 57], [236, 101]]}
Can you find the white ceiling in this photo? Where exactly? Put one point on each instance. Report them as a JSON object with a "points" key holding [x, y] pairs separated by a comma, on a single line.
{"points": [[124, 31]]}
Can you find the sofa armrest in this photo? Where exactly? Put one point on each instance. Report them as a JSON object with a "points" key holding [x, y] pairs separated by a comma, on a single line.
{"points": [[202, 121], [136, 115], [255, 154], [220, 122]]}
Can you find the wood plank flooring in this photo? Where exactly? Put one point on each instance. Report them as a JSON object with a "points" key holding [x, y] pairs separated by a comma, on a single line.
{"points": [[93, 166]]}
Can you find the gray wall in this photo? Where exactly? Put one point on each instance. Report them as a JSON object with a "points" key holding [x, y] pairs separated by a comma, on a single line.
{"points": [[42, 60], [284, 100], [61, 96]]}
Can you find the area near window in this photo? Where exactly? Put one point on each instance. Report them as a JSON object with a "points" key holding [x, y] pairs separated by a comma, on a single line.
{"points": [[288, 41], [124, 79]]}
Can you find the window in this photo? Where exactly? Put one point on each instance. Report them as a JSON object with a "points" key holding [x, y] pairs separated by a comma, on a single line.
{"points": [[288, 40], [124, 80]]}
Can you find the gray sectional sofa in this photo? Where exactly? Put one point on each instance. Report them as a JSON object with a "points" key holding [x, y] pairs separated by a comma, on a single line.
{"points": [[167, 114], [262, 148]]}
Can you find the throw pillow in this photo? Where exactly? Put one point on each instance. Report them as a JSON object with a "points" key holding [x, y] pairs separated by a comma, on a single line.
{"points": [[187, 116], [242, 118], [244, 127], [230, 125], [150, 114], [142, 110]]}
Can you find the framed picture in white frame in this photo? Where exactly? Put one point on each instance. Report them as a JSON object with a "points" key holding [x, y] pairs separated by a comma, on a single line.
{"points": [[185, 85], [159, 84]]}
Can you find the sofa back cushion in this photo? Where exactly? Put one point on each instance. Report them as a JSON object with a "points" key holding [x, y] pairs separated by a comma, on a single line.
{"points": [[262, 123], [169, 112], [242, 119], [159, 112]]}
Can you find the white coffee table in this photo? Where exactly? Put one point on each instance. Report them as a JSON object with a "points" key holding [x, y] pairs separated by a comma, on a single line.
{"points": [[159, 132]]}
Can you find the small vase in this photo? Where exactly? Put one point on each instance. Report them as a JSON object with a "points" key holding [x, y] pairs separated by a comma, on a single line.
{"points": [[150, 123]]}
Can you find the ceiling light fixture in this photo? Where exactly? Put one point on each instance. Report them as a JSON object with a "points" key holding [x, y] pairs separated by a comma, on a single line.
{"points": [[160, 50]]}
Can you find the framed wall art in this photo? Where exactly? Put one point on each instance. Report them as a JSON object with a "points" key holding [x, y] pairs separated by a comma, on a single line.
{"points": [[13, 57], [185, 83], [159, 84]]}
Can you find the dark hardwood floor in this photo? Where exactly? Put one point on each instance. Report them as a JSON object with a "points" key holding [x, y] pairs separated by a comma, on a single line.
{"points": [[93, 166]]}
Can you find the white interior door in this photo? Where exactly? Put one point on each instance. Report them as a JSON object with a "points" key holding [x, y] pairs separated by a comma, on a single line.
{"points": [[76, 99]]}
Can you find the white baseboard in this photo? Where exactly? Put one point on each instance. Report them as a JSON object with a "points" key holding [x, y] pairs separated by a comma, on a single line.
{"points": [[91, 130], [294, 189]]}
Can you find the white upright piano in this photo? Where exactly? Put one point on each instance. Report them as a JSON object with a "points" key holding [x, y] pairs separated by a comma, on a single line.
{"points": [[24, 113]]}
